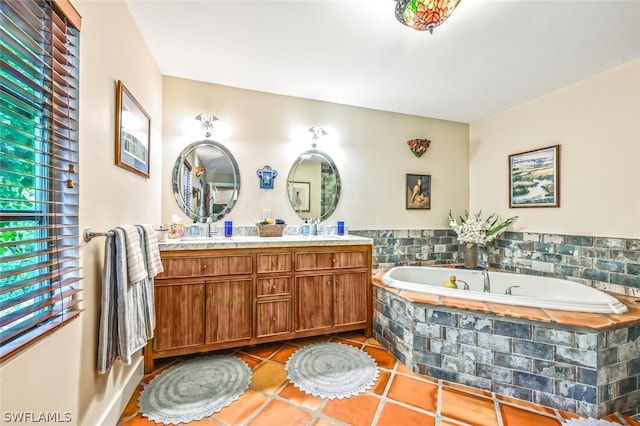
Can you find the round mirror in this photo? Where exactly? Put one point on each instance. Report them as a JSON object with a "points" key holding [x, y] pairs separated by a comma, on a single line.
{"points": [[206, 181], [313, 185]]}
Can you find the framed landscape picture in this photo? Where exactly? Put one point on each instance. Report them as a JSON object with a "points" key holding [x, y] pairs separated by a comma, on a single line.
{"points": [[133, 131], [534, 178], [418, 192]]}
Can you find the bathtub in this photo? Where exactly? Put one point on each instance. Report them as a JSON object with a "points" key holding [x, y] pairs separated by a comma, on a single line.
{"points": [[532, 291]]}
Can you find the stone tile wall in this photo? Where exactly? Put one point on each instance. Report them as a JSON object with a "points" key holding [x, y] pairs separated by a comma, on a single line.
{"points": [[605, 263], [590, 372]]}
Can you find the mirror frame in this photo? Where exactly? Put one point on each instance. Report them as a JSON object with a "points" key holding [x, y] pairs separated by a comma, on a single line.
{"points": [[291, 180], [177, 193]]}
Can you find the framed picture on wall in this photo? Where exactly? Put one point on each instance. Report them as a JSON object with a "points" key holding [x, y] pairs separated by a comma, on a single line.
{"points": [[534, 178], [299, 192], [418, 192], [133, 131]]}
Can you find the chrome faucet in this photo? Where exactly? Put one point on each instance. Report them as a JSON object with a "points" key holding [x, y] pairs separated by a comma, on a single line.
{"points": [[313, 226], [464, 283], [508, 290], [487, 282], [211, 230]]}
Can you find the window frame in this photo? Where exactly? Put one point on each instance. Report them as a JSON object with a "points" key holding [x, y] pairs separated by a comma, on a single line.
{"points": [[53, 57]]}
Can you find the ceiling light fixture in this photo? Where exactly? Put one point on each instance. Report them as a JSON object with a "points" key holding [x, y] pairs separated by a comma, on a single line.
{"points": [[207, 121], [424, 14], [317, 132]]}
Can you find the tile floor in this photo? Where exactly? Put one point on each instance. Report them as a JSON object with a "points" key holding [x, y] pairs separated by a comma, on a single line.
{"points": [[399, 397]]}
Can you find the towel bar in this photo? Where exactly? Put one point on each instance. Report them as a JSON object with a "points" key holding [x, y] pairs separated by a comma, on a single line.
{"points": [[89, 234]]}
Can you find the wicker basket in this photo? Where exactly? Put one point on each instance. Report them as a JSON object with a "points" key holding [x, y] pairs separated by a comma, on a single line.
{"points": [[270, 230]]}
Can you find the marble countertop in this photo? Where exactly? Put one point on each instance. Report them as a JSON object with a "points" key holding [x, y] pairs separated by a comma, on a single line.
{"points": [[253, 241]]}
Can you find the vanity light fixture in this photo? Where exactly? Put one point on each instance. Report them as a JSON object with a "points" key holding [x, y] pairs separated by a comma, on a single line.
{"points": [[424, 14], [317, 132], [207, 121]]}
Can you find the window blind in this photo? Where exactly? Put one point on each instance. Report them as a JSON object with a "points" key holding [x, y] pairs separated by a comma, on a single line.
{"points": [[39, 198]]}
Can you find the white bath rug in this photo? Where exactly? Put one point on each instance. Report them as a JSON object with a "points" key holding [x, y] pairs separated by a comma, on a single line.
{"points": [[588, 422], [194, 389], [331, 370]]}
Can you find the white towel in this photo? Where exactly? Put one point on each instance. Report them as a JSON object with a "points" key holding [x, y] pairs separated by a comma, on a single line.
{"points": [[135, 263]]}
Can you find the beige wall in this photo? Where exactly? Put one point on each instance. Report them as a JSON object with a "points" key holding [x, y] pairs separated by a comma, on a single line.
{"points": [[371, 153], [597, 124], [58, 374]]}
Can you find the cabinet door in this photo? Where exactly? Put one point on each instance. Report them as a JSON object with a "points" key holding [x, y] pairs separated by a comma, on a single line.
{"points": [[314, 302], [228, 310], [179, 315], [273, 318], [350, 298]]}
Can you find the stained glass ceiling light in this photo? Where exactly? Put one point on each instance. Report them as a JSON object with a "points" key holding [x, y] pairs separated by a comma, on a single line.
{"points": [[424, 14]]}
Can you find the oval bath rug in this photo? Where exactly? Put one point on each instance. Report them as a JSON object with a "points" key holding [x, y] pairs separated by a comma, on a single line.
{"points": [[194, 389], [331, 370]]}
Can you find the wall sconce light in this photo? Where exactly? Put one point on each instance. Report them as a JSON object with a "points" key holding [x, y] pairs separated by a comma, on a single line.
{"points": [[317, 132], [207, 121]]}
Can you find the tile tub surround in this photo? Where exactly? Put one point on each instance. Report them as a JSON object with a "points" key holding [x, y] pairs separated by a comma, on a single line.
{"points": [[584, 363], [605, 263]]}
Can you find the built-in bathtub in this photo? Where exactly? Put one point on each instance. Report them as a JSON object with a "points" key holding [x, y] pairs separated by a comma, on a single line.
{"points": [[525, 290], [584, 362]]}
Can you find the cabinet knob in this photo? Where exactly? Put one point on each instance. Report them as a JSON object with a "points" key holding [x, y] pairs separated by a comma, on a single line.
{"points": [[273, 286], [273, 318]]}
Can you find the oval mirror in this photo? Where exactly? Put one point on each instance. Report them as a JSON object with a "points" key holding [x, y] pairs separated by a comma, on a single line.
{"points": [[313, 185], [206, 181]]}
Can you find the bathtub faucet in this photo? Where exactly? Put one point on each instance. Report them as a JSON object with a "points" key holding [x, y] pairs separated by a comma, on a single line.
{"points": [[487, 282], [464, 283]]}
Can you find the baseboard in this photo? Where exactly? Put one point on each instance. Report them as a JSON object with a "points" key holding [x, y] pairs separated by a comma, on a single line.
{"points": [[113, 414]]}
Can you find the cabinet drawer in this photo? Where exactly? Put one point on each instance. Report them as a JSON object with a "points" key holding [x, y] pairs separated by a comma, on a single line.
{"points": [[273, 318], [330, 260], [274, 286], [276, 262], [206, 266]]}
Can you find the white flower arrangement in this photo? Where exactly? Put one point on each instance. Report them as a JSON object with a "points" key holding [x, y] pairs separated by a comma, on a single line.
{"points": [[474, 229]]}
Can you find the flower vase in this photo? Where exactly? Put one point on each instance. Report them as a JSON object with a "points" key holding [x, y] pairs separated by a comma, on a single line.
{"points": [[470, 256]]}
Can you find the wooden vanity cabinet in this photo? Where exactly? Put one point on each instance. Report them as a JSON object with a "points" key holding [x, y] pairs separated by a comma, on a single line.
{"points": [[333, 289], [222, 298]]}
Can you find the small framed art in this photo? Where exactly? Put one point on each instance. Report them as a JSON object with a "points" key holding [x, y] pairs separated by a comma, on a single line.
{"points": [[418, 192], [534, 178], [299, 193], [133, 132]]}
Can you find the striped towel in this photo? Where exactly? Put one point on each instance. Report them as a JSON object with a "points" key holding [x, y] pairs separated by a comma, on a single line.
{"points": [[135, 263], [107, 344], [150, 245], [153, 265], [127, 317]]}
